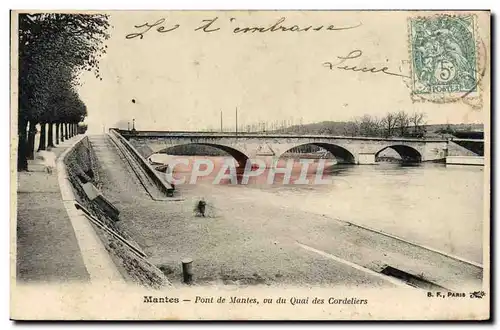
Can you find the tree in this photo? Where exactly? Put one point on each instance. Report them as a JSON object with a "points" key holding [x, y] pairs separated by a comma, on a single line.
{"points": [[369, 126], [53, 50], [403, 122], [417, 120], [388, 124], [351, 128]]}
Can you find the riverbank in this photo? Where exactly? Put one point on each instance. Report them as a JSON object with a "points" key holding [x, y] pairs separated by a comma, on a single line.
{"points": [[251, 237]]}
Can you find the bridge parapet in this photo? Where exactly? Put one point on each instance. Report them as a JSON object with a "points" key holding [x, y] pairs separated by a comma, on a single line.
{"points": [[250, 145], [263, 135]]}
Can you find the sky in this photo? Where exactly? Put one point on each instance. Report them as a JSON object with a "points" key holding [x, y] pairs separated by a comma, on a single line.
{"points": [[184, 79]]}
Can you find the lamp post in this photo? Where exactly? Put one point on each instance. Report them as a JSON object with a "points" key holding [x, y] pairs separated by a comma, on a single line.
{"points": [[133, 119]]}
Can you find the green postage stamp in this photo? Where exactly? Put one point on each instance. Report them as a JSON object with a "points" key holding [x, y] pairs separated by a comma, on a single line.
{"points": [[443, 55]]}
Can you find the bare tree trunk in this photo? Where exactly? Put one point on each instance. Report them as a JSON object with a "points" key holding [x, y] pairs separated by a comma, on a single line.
{"points": [[57, 133], [62, 132], [22, 159], [30, 154], [50, 141], [66, 131], [42, 145]]}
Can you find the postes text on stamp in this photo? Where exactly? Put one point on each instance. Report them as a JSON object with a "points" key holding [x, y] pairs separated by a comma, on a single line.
{"points": [[443, 55]]}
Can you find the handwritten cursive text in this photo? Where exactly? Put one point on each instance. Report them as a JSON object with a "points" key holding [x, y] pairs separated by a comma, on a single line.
{"points": [[281, 27], [214, 24], [341, 65], [161, 28]]}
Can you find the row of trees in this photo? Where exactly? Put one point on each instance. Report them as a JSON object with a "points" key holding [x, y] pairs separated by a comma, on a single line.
{"points": [[277, 126], [261, 126], [393, 124], [54, 50]]}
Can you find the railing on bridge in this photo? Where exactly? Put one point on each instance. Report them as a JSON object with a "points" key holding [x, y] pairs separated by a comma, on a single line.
{"points": [[159, 134]]}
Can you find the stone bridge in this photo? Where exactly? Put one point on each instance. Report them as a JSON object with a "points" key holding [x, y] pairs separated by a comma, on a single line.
{"points": [[242, 146]]}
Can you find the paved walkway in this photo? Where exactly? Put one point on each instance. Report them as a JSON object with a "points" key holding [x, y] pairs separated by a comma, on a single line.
{"points": [[47, 248]]}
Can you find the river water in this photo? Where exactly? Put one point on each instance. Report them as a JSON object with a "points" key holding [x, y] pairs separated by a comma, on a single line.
{"points": [[434, 205]]}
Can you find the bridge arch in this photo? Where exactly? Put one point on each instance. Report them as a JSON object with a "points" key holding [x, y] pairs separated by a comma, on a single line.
{"points": [[341, 154], [408, 154], [240, 157]]}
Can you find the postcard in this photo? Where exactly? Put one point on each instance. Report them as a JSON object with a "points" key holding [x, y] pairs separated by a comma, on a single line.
{"points": [[250, 165]]}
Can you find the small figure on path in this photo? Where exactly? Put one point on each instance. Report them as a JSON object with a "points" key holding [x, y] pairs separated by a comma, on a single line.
{"points": [[204, 208], [201, 207], [48, 159]]}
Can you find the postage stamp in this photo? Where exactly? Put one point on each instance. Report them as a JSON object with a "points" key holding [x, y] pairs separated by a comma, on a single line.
{"points": [[443, 56]]}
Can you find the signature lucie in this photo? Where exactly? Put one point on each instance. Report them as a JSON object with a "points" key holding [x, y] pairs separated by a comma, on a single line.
{"points": [[345, 63]]}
